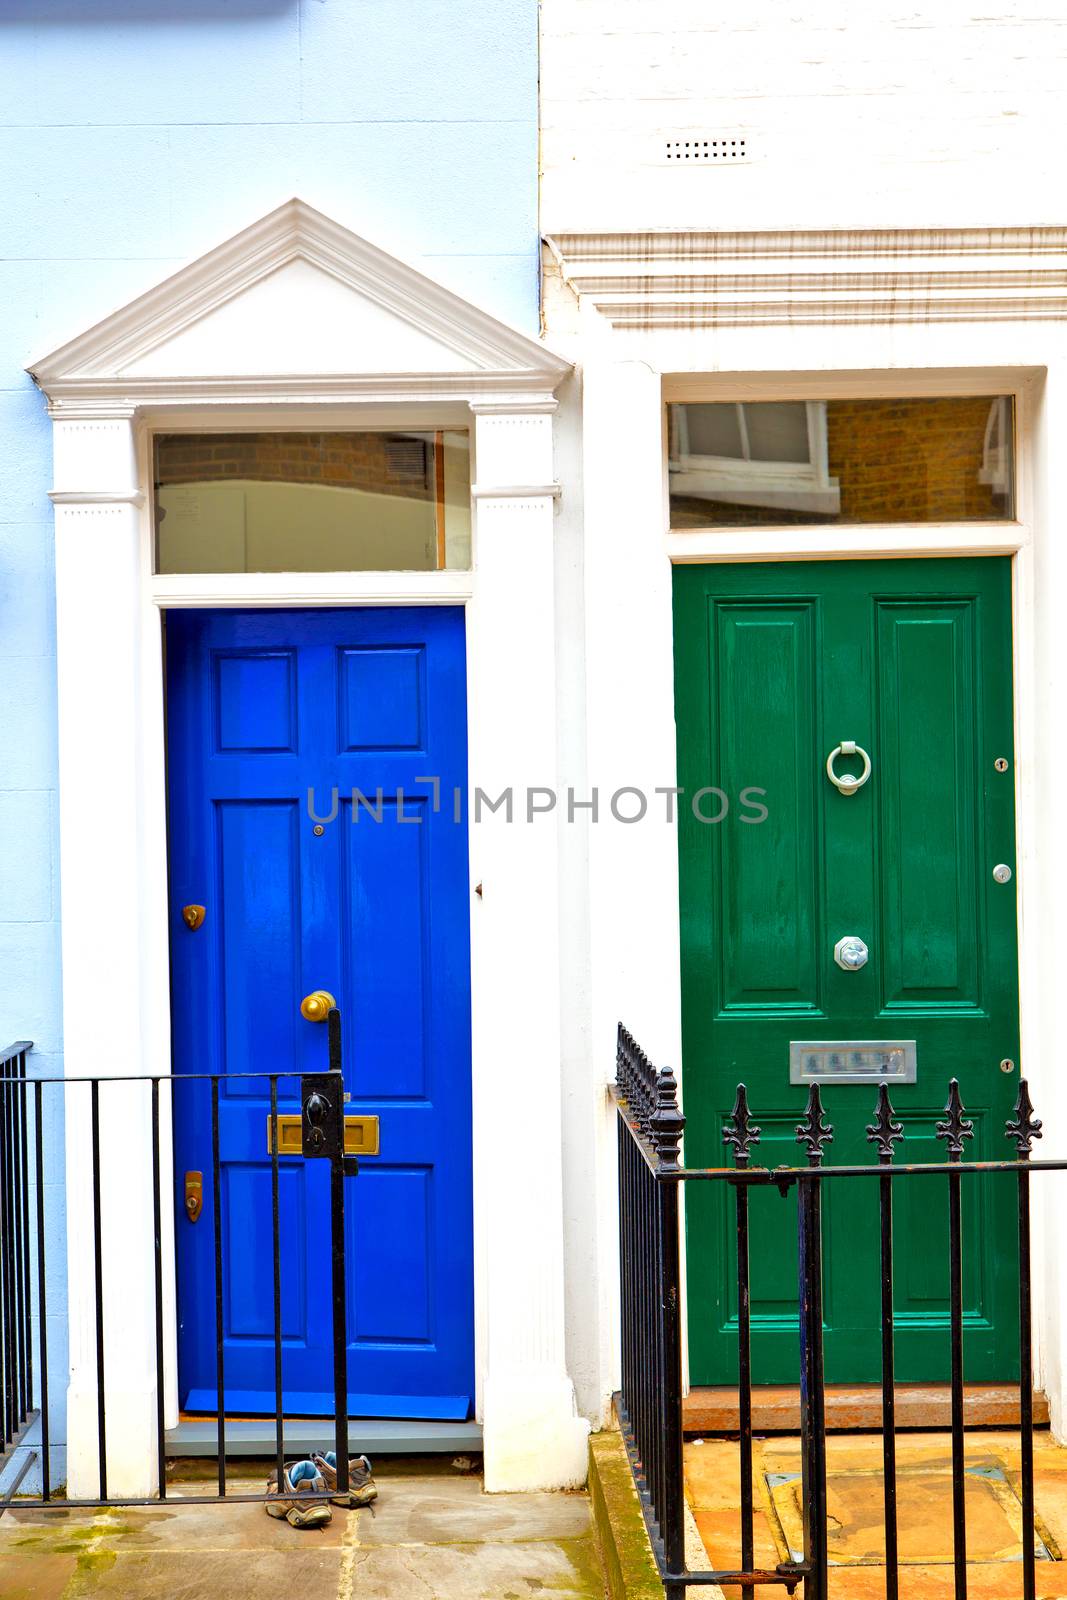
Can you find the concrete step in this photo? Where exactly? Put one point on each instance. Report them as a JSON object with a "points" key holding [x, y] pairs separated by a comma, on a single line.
{"points": [[254, 1436]]}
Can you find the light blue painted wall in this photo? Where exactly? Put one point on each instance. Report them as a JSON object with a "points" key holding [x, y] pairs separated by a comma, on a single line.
{"points": [[135, 134]]}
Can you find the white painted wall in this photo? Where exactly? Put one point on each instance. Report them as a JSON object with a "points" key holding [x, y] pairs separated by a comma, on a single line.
{"points": [[755, 279], [876, 114]]}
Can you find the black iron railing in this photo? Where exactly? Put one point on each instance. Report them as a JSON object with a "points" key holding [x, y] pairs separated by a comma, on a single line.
{"points": [[19, 1131], [26, 1164], [650, 1128]]}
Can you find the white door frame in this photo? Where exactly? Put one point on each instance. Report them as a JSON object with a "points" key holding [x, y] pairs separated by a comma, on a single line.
{"points": [[109, 389], [629, 554]]}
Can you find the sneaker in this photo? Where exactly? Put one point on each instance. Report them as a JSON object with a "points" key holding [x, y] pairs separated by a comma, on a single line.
{"points": [[362, 1488], [301, 1479]]}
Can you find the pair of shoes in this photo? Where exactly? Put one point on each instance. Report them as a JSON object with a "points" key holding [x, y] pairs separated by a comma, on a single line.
{"points": [[300, 1481], [362, 1488]]}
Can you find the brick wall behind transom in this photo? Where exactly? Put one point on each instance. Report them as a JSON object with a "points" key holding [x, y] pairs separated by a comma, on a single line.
{"points": [[376, 462]]}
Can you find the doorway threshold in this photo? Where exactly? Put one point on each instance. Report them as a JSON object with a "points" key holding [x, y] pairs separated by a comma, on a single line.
{"points": [[776, 1407], [255, 1436]]}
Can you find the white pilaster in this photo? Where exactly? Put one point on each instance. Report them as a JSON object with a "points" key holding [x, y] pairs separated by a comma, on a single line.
{"points": [[533, 1435], [101, 756], [629, 656], [1041, 594], [630, 689]]}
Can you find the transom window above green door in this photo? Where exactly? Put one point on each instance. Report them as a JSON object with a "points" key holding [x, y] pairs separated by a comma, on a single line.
{"points": [[312, 502], [766, 462]]}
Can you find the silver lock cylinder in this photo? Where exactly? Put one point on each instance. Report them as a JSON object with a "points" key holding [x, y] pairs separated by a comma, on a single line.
{"points": [[851, 953]]}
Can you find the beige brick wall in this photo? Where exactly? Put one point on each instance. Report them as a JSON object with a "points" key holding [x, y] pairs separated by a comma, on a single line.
{"points": [[895, 460], [910, 460], [381, 463]]}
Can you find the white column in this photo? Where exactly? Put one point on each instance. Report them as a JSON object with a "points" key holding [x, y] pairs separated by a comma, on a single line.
{"points": [[103, 867], [629, 661], [1041, 598], [533, 1437]]}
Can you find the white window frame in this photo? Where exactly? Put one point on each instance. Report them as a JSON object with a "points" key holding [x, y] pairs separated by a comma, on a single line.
{"points": [[998, 448], [777, 485]]}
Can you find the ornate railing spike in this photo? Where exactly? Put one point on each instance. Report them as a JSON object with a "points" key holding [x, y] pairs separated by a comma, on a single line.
{"points": [[666, 1123], [884, 1131], [1023, 1128], [635, 1077], [957, 1126], [814, 1132], [740, 1131]]}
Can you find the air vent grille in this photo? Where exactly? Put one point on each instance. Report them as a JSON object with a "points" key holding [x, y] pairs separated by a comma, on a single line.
{"points": [[407, 460], [720, 148]]}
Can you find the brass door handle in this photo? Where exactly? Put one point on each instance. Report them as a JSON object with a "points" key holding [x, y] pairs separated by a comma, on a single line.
{"points": [[316, 1006]]}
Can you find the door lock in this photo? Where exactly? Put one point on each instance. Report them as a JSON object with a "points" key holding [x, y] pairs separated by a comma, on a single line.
{"points": [[851, 953], [194, 1194]]}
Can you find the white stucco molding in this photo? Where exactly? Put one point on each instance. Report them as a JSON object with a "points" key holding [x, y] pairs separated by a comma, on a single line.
{"points": [[297, 322], [103, 497], [295, 308], [695, 279]]}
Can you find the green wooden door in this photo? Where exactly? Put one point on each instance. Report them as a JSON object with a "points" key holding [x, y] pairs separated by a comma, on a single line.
{"points": [[775, 665]]}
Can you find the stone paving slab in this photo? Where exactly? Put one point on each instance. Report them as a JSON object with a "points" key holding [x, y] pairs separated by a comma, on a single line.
{"points": [[565, 1571], [430, 1536], [855, 1502]]}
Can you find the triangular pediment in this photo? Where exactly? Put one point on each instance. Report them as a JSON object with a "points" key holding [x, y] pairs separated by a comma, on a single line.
{"points": [[296, 303]]}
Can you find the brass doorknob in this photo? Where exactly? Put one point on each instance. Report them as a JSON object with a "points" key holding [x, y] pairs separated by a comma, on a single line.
{"points": [[316, 1006]]}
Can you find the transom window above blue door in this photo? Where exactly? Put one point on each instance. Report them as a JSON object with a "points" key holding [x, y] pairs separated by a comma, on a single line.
{"points": [[312, 502]]}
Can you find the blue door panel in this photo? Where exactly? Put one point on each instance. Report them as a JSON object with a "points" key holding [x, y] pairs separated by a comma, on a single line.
{"points": [[265, 708], [381, 698], [257, 894], [386, 927], [391, 1290], [247, 1246]]}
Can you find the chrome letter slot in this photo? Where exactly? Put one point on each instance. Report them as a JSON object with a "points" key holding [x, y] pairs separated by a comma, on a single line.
{"points": [[852, 1060]]}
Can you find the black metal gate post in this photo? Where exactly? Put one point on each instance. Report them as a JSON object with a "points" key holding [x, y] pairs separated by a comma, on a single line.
{"points": [[954, 1130], [1022, 1130], [667, 1125], [885, 1132], [340, 1165], [322, 1124], [741, 1133], [814, 1132]]}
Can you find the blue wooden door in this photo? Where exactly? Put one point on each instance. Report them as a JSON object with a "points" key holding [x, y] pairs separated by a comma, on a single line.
{"points": [[265, 708]]}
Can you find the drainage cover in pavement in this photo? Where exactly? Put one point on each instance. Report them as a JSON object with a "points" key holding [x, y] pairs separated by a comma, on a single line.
{"points": [[855, 1510]]}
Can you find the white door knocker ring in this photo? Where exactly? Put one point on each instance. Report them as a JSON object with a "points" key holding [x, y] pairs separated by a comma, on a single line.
{"points": [[847, 783]]}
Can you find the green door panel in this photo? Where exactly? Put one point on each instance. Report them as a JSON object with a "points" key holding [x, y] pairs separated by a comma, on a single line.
{"points": [[775, 665]]}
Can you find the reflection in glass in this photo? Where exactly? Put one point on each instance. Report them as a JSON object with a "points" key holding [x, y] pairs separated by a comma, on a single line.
{"points": [[743, 463], [312, 502]]}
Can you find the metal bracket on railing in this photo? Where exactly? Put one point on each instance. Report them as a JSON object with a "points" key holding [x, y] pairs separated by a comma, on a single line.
{"points": [[321, 1116]]}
